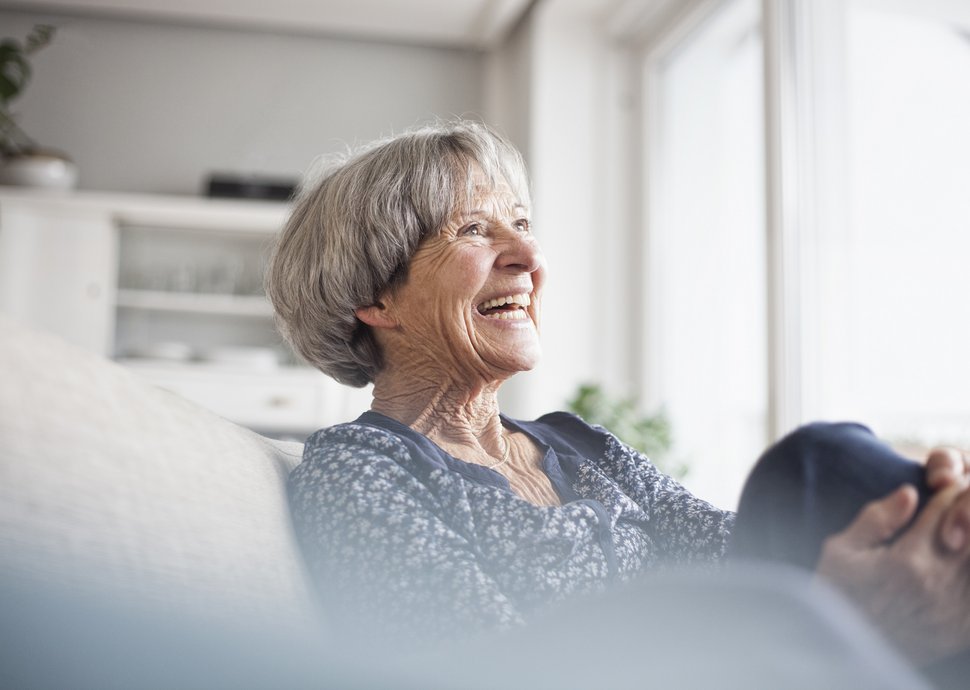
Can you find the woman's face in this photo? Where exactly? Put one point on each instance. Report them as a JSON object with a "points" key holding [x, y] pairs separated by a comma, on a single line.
{"points": [[470, 305]]}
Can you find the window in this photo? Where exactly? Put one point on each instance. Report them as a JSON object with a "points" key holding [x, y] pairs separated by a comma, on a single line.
{"points": [[902, 293], [706, 268], [808, 225]]}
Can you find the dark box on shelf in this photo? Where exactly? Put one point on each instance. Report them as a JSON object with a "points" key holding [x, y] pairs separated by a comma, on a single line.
{"points": [[250, 187]]}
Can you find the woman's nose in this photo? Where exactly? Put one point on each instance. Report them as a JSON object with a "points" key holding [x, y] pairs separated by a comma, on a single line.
{"points": [[519, 251]]}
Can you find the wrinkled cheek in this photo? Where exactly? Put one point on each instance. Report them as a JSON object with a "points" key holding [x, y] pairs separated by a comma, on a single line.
{"points": [[449, 337]]}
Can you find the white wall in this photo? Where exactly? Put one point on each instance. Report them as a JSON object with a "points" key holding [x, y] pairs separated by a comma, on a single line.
{"points": [[155, 107], [508, 84], [576, 115]]}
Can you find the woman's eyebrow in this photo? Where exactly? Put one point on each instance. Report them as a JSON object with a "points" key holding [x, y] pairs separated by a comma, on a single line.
{"points": [[480, 212], [473, 215]]}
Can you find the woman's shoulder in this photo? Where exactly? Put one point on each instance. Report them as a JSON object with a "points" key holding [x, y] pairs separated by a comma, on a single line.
{"points": [[560, 427], [347, 451], [592, 441], [351, 436], [570, 423]]}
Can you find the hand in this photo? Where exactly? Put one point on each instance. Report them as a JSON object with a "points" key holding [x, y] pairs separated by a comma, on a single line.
{"points": [[915, 592], [947, 467]]}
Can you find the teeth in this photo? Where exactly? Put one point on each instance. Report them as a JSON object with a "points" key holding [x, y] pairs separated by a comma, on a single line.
{"points": [[508, 315], [522, 300]]}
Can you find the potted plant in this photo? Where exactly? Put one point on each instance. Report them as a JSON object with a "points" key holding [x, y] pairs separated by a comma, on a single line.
{"points": [[24, 162], [650, 434]]}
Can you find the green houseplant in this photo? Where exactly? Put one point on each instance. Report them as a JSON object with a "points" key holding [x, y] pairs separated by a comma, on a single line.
{"points": [[650, 434], [24, 162]]}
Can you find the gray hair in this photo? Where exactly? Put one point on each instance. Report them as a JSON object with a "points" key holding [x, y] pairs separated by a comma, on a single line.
{"points": [[352, 233]]}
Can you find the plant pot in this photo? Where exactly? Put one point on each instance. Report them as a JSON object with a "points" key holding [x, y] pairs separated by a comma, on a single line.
{"points": [[46, 169]]}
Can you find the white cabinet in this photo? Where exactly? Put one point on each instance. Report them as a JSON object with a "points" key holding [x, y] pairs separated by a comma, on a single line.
{"points": [[290, 402], [57, 267], [172, 288]]}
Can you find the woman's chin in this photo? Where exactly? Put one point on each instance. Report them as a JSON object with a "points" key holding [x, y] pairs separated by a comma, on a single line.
{"points": [[512, 345], [530, 356], [524, 358]]}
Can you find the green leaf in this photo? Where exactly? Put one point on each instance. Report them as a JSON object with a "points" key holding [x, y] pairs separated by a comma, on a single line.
{"points": [[650, 434], [39, 37], [14, 76]]}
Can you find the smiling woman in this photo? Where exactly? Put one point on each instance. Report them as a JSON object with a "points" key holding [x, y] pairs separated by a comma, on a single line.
{"points": [[470, 306], [412, 265]]}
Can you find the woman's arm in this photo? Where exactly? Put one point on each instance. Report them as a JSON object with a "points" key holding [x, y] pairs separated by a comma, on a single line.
{"points": [[686, 528]]}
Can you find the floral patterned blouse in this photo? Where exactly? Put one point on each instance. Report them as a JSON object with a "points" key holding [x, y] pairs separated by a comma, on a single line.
{"points": [[403, 539]]}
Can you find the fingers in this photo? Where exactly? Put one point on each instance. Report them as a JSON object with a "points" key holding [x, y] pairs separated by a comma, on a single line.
{"points": [[880, 520], [955, 527], [929, 522], [945, 466]]}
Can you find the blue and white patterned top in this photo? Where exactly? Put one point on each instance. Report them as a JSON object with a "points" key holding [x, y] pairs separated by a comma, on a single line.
{"points": [[405, 539]]}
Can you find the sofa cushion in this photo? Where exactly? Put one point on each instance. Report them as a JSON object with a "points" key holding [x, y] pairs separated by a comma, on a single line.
{"points": [[110, 485]]}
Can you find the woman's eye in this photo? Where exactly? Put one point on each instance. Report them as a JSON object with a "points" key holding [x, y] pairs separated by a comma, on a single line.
{"points": [[522, 225], [474, 230]]}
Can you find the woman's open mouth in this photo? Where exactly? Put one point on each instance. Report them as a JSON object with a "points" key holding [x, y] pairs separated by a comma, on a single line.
{"points": [[510, 307]]}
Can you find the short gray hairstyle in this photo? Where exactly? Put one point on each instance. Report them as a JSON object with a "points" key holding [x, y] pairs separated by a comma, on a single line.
{"points": [[352, 234]]}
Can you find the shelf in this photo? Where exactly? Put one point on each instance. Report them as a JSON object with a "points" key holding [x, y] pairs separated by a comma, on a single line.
{"points": [[195, 303], [215, 370], [122, 275]]}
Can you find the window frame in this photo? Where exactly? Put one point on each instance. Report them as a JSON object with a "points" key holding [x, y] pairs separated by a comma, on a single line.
{"points": [[796, 74]]}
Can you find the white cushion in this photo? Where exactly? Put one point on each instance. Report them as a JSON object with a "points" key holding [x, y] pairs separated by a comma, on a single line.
{"points": [[108, 484]]}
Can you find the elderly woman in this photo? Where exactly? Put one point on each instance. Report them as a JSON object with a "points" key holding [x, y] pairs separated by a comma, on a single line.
{"points": [[413, 265]]}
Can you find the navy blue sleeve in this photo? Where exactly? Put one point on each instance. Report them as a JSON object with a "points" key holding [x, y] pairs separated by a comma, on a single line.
{"points": [[686, 529]]}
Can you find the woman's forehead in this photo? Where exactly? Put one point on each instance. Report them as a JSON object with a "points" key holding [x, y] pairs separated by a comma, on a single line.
{"points": [[491, 202], [492, 186], [485, 195]]}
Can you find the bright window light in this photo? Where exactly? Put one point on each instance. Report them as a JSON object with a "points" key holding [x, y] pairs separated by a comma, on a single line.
{"points": [[707, 249], [904, 292]]}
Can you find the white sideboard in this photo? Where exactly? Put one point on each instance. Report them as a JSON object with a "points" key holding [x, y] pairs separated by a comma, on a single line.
{"points": [[172, 288]]}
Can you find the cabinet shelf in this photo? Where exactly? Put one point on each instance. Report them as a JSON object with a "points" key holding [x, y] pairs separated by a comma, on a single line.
{"points": [[195, 303], [178, 277]]}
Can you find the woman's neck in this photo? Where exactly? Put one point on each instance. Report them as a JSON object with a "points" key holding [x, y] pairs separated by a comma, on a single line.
{"points": [[449, 413]]}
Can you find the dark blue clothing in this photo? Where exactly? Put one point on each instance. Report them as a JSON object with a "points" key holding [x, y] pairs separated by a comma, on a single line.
{"points": [[406, 539], [810, 485]]}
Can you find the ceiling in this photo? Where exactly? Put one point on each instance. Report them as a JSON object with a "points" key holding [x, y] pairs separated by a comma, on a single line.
{"points": [[462, 23]]}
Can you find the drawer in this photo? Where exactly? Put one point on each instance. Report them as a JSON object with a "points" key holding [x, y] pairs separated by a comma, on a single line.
{"points": [[256, 404], [284, 402]]}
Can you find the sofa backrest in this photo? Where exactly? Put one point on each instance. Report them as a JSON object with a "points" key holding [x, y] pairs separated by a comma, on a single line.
{"points": [[109, 485]]}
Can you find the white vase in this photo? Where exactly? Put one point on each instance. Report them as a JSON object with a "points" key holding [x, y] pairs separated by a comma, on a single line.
{"points": [[46, 169]]}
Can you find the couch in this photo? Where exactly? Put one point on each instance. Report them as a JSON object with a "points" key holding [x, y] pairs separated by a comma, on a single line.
{"points": [[145, 542]]}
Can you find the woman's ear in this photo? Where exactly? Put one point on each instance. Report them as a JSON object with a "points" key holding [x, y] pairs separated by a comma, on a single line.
{"points": [[375, 315]]}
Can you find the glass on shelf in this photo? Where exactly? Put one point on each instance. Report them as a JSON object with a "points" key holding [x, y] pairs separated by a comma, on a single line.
{"points": [[230, 276]]}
